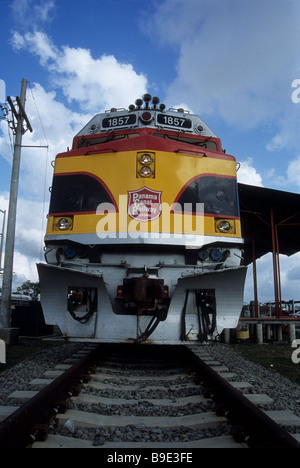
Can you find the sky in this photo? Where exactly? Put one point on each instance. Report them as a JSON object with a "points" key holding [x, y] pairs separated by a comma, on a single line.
{"points": [[236, 63]]}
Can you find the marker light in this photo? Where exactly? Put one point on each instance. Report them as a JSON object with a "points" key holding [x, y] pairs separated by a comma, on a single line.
{"points": [[146, 118], [203, 254], [70, 251], [120, 292], [216, 254]]}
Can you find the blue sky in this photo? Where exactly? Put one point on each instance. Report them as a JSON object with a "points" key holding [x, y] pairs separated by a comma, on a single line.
{"points": [[236, 63]]}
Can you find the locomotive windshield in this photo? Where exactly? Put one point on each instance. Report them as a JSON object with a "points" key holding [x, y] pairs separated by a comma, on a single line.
{"points": [[206, 143]]}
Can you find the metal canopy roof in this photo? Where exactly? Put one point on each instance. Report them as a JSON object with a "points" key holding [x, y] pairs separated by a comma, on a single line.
{"points": [[270, 218]]}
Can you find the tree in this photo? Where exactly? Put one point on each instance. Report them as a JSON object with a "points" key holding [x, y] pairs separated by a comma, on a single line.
{"points": [[29, 289]]}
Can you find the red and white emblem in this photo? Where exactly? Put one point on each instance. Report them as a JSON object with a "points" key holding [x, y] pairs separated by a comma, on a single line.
{"points": [[144, 204]]}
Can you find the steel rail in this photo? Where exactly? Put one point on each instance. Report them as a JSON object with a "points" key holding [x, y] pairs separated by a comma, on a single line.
{"points": [[16, 431], [249, 422]]}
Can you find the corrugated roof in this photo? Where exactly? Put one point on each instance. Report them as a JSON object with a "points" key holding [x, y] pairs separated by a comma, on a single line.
{"points": [[257, 206]]}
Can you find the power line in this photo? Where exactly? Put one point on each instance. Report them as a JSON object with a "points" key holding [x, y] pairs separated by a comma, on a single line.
{"points": [[46, 167], [38, 114], [20, 116]]}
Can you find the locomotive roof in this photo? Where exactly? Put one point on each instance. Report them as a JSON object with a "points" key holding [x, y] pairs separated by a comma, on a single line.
{"points": [[147, 112]]}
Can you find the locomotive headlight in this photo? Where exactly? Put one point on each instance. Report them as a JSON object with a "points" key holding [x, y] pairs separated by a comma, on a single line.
{"points": [[145, 171], [145, 164], [146, 158], [63, 224], [225, 226]]}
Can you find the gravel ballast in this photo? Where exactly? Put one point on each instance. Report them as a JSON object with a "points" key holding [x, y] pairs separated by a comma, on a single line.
{"points": [[285, 395], [19, 376]]}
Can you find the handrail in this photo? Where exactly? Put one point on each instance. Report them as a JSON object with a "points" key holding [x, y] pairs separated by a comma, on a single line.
{"points": [[104, 150], [184, 150]]}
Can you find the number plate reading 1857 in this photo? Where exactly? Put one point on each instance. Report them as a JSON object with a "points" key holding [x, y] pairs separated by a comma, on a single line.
{"points": [[170, 120], [119, 121]]}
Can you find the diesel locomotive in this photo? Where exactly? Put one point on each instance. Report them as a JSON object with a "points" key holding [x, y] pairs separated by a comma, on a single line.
{"points": [[143, 238]]}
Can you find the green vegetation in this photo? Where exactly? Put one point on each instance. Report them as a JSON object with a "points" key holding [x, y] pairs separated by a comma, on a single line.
{"points": [[277, 357], [29, 289], [26, 348]]}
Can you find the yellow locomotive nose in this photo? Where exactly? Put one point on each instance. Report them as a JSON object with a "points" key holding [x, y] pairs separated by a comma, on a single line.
{"points": [[144, 226]]}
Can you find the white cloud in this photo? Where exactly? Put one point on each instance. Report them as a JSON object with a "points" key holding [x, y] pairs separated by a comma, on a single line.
{"points": [[56, 128], [287, 130], [293, 171], [98, 82], [32, 12], [278, 181], [247, 174], [38, 43], [288, 179], [290, 279], [236, 59], [44, 11], [94, 83], [31, 220], [6, 148], [30, 224], [2, 91], [24, 269], [54, 125]]}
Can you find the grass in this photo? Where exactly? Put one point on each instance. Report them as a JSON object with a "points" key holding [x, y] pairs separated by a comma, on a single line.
{"points": [[24, 349], [276, 356]]}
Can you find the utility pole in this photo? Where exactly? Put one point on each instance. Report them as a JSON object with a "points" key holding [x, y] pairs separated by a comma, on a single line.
{"points": [[2, 235], [18, 120]]}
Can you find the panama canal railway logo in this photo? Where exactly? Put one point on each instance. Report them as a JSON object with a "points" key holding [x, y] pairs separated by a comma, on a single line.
{"points": [[144, 204]]}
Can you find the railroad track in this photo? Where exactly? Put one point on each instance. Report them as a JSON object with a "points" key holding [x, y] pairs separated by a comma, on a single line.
{"points": [[141, 397]]}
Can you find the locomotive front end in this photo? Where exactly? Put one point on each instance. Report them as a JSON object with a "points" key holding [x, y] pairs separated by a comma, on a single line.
{"points": [[143, 239]]}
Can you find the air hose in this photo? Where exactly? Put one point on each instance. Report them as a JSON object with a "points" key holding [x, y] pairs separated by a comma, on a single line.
{"points": [[207, 324], [207, 316], [72, 305], [160, 316]]}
